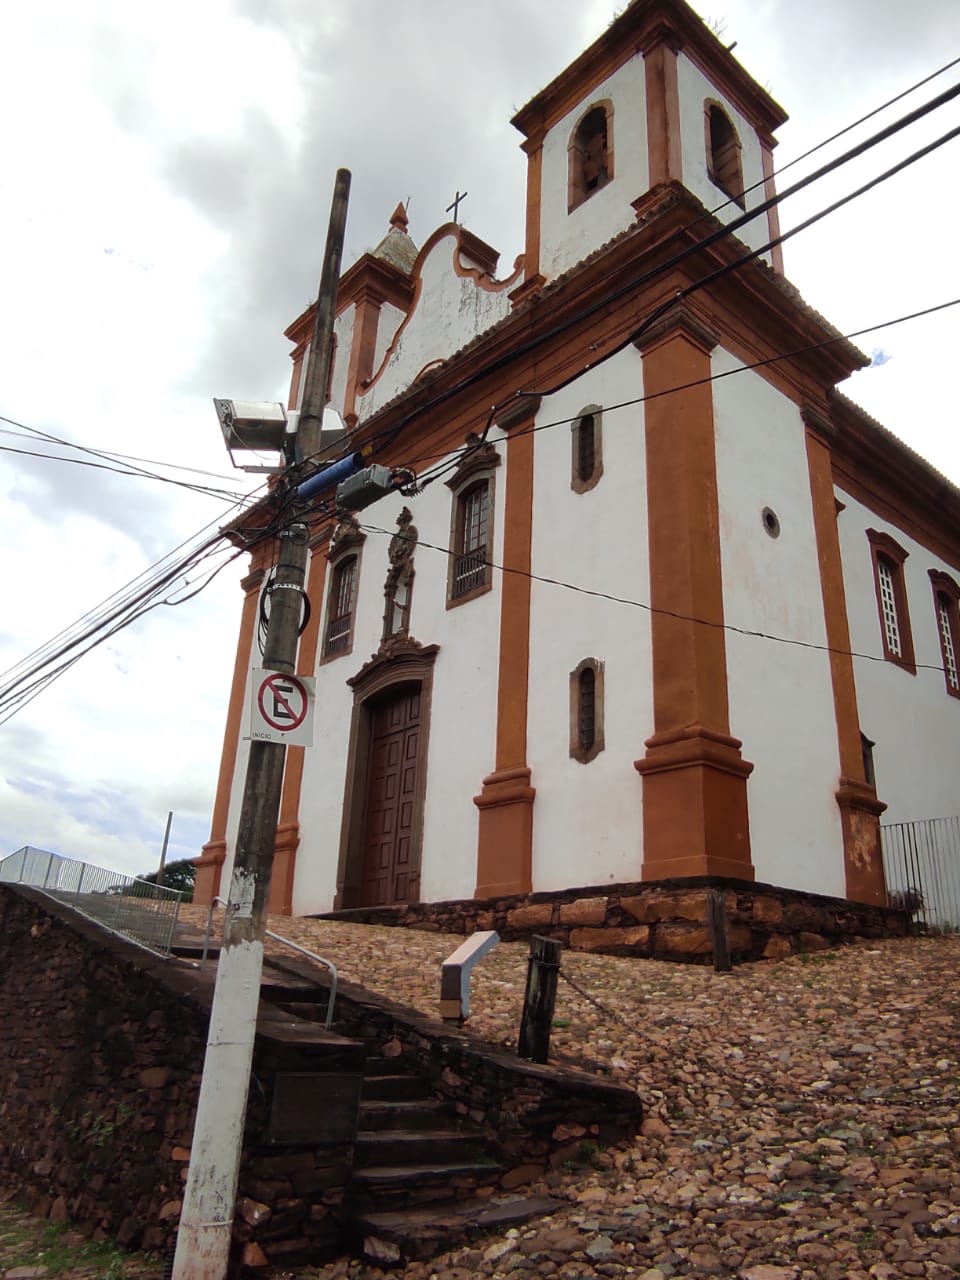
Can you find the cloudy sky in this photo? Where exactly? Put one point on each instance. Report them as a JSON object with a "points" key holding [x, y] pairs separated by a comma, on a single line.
{"points": [[163, 204]]}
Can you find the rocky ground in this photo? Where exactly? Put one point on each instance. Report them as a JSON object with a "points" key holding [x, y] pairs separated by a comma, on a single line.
{"points": [[802, 1116]]}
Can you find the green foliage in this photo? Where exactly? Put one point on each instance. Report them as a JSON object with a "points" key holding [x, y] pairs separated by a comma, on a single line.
{"points": [[178, 875]]}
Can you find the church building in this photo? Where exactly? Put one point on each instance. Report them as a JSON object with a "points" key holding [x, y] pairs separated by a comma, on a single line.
{"points": [[653, 599]]}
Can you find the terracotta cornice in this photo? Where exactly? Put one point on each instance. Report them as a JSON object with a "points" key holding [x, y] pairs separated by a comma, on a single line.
{"points": [[518, 411], [478, 251], [679, 319], [370, 279], [641, 27], [894, 482], [818, 423]]}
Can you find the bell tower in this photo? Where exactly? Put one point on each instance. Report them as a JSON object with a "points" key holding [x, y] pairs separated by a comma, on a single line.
{"points": [[657, 99]]}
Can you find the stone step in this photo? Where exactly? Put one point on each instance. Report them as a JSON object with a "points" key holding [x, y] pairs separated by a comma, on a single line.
{"points": [[392, 1186], [392, 1087], [399, 1147], [375, 1066], [414, 1113], [391, 1238]]}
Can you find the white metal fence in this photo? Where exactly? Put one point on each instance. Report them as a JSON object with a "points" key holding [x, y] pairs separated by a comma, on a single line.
{"points": [[143, 912], [921, 861]]}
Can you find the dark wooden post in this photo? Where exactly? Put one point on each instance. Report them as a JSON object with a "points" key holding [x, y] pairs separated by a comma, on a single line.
{"points": [[540, 997], [717, 916]]}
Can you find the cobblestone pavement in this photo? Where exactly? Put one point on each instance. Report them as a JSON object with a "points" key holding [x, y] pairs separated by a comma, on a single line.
{"points": [[802, 1116]]}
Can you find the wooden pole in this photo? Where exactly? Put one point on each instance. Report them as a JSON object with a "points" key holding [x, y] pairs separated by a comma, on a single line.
{"points": [[717, 917], [541, 995]]}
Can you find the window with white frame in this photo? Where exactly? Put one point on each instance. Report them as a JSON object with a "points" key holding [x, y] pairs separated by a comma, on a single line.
{"points": [[888, 561], [946, 598]]}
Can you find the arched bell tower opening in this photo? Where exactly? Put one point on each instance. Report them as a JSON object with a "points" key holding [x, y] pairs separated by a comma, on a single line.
{"points": [[591, 154]]}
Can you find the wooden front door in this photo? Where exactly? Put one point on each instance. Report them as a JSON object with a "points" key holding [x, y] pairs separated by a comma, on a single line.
{"points": [[390, 795]]}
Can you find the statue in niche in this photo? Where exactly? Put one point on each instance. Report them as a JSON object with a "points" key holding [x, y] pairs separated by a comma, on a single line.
{"points": [[398, 587]]}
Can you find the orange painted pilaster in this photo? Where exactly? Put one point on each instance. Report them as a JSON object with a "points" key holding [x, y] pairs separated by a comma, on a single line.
{"points": [[210, 863], [695, 818], [532, 279], [505, 837], [288, 826], [859, 807], [363, 344], [773, 213], [663, 114]]}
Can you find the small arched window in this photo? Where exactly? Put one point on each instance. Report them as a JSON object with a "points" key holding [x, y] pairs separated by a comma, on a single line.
{"points": [[587, 449], [590, 154], [586, 710], [723, 153]]}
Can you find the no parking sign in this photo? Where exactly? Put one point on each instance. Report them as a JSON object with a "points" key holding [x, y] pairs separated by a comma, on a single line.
{"points": [[281, 708]]}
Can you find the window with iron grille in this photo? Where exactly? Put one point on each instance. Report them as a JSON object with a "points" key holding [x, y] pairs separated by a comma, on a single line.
{"points": [[586, 710], [888, 573], [338, 636], [470, 568], [587, 451], [471, 525], [946, 598]]}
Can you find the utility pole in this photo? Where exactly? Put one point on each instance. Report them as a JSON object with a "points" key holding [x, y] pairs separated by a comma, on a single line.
{"points": [[163, 848], [206, 1221]]}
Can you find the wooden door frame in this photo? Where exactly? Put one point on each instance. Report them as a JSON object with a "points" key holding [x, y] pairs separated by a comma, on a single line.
{"points": [[400, 663]]}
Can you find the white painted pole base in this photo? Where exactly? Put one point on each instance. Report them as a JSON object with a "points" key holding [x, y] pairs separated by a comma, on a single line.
{"points": [[206, 1222]]}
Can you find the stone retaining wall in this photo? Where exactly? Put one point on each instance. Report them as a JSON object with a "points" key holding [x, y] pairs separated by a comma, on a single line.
{"points": [[664, 919], [100, 1062]]}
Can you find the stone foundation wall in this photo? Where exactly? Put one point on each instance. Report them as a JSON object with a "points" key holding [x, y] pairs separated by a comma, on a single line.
{"points": [[663, 919], [100, 1062]]}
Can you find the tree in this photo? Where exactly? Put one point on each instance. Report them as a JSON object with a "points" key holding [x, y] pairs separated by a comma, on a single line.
{"points": [[176, 875]]}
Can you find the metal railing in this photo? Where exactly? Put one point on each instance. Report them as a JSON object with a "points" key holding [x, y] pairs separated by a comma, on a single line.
{"points": [[143, 913], [921, 861], [294, 946]]}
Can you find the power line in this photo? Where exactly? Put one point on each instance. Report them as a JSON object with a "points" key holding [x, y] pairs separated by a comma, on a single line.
{"points": [[653, 609], [390, 434], [452, 461], [109, 453], [221, 494]]}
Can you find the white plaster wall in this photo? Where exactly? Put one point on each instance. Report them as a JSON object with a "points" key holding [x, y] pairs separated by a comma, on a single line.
{"points": [[587, 817], [391, 318], [780, 695], [343, 328], [450, 311], [912, 719], [694, 89], [567, 238], [463, 719]]}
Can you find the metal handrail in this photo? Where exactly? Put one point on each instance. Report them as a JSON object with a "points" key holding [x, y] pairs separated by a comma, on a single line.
{"points": [[277, 937], [128, 906]]}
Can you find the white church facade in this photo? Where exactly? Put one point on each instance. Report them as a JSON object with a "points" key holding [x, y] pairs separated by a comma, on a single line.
{"points": [[657, 601]]}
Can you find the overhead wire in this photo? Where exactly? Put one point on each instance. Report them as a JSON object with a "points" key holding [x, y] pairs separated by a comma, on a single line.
{"points": [[389, 435], [749, 632], [109, 453], [728, 229], [451, 460]]}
